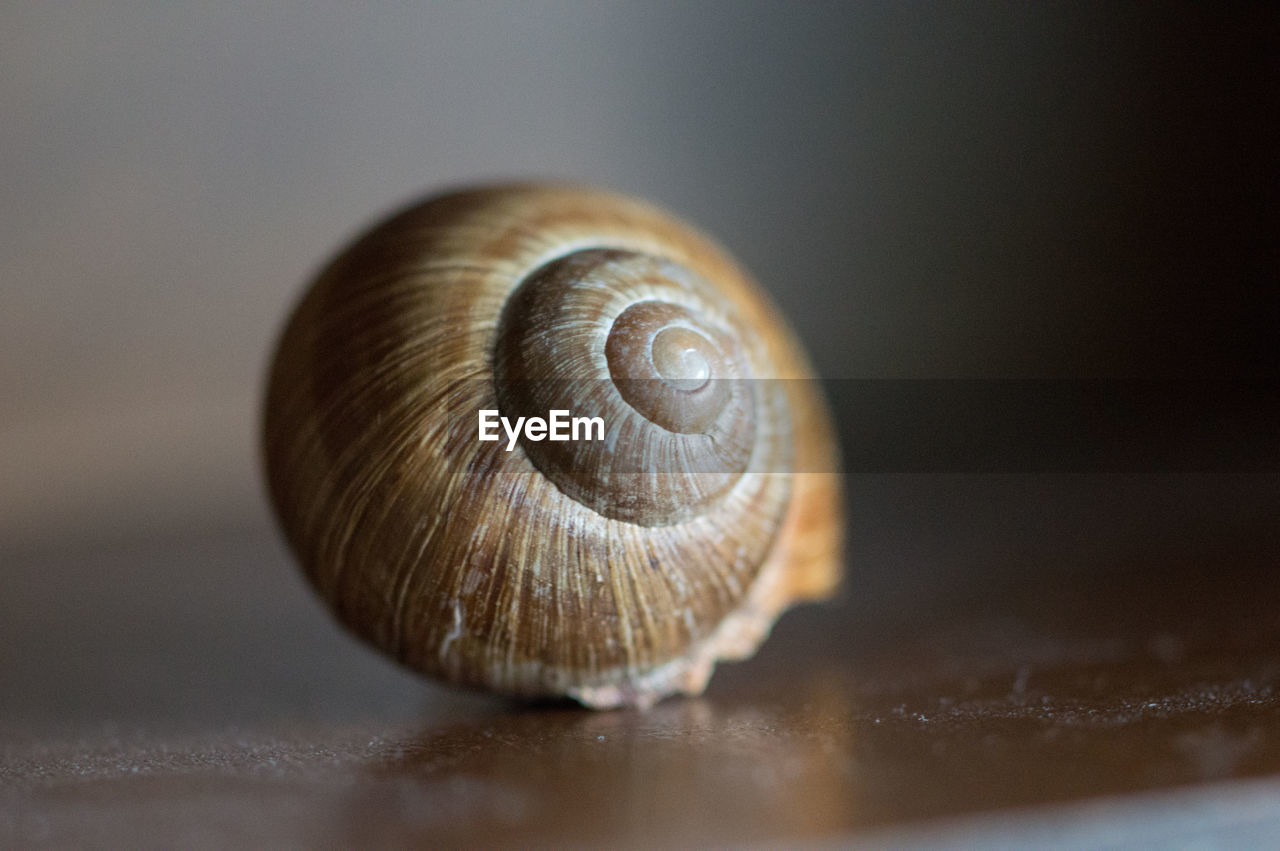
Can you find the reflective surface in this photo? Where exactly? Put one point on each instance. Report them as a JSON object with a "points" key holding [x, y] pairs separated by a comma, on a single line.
{"points": [[193, 692]]}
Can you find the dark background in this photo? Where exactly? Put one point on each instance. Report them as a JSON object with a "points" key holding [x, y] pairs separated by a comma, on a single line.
{"points": [[978, 190], [1081, 192]]}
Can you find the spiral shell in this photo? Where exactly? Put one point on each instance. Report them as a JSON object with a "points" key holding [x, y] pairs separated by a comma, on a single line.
{"points": [[614, 571]]}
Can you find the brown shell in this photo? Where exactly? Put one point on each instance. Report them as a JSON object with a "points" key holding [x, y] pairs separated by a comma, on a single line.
{"points": [[613, 572]]}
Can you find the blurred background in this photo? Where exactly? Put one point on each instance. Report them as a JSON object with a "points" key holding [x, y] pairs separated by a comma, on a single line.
{"points": [[930, 191], [979, 190]]}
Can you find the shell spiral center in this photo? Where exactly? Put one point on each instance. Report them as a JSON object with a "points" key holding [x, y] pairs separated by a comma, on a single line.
{"points": [[644, 344]]}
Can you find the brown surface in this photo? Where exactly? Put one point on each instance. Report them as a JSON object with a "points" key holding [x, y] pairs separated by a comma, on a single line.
{"points": [[195, 693]]}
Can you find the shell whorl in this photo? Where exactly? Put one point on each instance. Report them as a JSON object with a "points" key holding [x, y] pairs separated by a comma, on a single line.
{"points": [[645, 343], [614, 571]]}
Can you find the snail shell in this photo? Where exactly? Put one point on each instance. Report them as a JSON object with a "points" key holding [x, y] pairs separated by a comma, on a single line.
{"points": [[614, 571]]}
